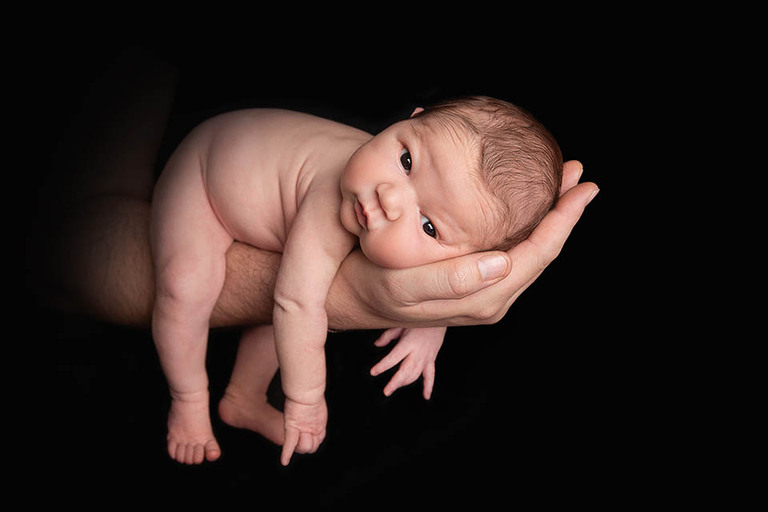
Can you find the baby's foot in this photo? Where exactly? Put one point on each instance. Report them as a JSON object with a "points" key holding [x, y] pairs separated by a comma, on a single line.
{"points": [[190, 435], [244, 411]]}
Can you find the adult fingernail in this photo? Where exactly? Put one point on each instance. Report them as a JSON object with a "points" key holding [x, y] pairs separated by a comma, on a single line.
{"points": [[492, 267], [593, 195]]}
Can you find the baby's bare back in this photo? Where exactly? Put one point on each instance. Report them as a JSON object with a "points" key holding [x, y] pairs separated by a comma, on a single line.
{"points": [[257, 165]]}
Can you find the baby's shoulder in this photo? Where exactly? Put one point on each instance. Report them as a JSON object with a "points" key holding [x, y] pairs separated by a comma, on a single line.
{"points": [[274, 142]]}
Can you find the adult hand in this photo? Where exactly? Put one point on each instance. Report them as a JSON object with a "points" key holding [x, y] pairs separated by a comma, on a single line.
{"points": [[474, 289]]}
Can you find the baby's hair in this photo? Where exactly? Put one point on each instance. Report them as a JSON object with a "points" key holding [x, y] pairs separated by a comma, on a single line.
{"points": [[519, 161]]}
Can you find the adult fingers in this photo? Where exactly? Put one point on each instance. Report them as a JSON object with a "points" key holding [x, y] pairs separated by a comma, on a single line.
{"points": [[441, 285], [571, 174], [450, 279], [533, 255], [529, 259]]}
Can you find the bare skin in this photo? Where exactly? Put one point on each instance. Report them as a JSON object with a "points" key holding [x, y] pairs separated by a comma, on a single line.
{"points": [[244, 404], [103, 268], [113, 238]]}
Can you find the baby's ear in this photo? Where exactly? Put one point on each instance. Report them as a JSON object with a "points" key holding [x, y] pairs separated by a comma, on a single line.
{"points": [[417, 110]]}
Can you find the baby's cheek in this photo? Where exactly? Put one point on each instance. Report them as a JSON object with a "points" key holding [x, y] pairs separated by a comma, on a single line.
{"points": [[389, 254]]}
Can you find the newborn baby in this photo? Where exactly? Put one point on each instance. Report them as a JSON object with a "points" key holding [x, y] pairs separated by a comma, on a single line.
{"points": [[468, 175]]}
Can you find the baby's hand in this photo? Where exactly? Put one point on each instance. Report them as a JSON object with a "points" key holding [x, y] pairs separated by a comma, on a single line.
{"points": [[417, 349], [304, 427]]}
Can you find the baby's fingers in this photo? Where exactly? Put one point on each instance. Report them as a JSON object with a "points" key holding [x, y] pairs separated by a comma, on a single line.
{"points": [[299, 442], [404, 376], [429, 380], [389, 335], [388, 361], [289, 446], [308, 443]]}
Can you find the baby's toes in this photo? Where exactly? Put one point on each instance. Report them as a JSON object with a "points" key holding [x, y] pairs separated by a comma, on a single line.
{"points": [[178, 451], [193, 453], [211, 451], [185, 453]]}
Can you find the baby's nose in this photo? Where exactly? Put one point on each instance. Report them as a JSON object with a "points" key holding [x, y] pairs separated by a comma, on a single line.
{"points": [[391, 200]]}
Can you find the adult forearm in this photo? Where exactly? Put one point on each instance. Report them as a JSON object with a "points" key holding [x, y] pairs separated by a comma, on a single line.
{"points": [[100, 263], [101, 266]]}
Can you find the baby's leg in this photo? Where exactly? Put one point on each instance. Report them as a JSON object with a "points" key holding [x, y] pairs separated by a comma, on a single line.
{"points": [[244, 404], [189, 246]]}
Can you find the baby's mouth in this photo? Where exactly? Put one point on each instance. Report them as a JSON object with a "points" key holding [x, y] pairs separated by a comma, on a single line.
{"points": [[361, 217]]}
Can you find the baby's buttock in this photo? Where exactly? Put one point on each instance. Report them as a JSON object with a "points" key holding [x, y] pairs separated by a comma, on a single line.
{"points": [[249, 206]]}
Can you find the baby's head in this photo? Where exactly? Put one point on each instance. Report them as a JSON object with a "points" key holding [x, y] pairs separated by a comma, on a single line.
{"points": [[462, 176]]}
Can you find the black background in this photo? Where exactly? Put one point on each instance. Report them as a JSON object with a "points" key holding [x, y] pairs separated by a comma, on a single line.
{"points": [[549, 404]]}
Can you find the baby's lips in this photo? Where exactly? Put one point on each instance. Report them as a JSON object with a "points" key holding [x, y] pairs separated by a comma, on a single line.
{"points": [[361, 217]]}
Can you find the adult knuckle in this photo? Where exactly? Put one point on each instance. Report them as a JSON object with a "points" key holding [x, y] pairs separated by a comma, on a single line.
{"points": [[553, 253], [458, 280], [395, 289], [488, 314], [547, 255]]}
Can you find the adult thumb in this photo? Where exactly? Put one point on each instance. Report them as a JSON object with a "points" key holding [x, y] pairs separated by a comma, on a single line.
{"points": [[459, 277]]}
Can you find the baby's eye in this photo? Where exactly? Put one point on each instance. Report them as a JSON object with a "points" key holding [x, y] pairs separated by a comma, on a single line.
{"points": [[405, 160], [427, 226]]}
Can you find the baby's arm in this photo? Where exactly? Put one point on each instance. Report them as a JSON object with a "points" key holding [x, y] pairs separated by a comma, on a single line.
{"points": [[316, 246], [416, 350]]}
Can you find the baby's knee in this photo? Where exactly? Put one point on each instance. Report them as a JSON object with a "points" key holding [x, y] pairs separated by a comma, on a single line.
{"points": [[193, 281]]}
